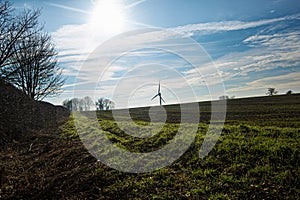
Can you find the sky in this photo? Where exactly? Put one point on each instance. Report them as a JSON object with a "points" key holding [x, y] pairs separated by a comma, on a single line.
{"points": [[198, 50]]}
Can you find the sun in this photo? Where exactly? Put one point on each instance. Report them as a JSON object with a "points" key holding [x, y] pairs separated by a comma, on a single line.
{"points": [[107, 17]]}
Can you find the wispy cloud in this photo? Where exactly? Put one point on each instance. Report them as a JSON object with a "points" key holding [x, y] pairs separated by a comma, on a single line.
{"points": [[83, 39], [213, 27], [72, 85], [135, 4], [67, 7]]}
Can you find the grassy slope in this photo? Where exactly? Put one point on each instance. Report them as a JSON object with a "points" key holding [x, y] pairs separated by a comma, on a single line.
{"points": [[256, 157]]}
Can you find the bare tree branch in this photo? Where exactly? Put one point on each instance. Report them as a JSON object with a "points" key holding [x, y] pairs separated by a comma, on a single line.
{"points": [[14, 29], [35, 70]]}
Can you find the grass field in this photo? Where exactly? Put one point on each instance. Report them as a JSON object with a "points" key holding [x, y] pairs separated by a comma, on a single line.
{"points": [[256, 157]]}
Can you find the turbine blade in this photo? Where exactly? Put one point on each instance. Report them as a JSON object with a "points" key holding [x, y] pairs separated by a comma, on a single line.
{"points": [[162, 99], [154, 97], [159, 87]]}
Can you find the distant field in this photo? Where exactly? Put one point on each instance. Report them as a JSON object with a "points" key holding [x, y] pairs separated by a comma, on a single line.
{"points": [[279, 110]]}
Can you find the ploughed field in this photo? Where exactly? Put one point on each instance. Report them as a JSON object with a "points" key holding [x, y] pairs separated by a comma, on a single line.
{"points": [[257, 155]]}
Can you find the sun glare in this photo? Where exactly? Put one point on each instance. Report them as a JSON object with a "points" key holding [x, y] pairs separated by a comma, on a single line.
{"points": [[107, 17]]}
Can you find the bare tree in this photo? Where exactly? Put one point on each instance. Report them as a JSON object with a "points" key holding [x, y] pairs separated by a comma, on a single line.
{"points": [[100, 104], [68, 104], [34, 68], [271, 91], [224, 97], [75, 102], [13, 29], [88, 103], [104, 104], [27, 55]]}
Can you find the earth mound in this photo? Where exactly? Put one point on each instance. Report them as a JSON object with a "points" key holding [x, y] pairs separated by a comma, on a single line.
{"points": [[20, 114]]}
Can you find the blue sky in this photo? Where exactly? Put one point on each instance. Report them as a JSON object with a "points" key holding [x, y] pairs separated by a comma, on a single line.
{"points": [[202, 49]]}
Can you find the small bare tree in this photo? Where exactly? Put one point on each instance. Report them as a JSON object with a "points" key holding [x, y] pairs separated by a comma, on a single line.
{"points": [[271, 91], [75, 104], [67, 104], [88, 103], [104, 104], [290, 92]]}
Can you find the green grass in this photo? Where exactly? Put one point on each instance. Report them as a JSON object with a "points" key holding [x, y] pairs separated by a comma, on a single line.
{"points": [[255, 157]]}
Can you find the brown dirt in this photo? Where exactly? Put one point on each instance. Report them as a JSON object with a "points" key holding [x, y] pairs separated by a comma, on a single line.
{"points": [[45, 166]]}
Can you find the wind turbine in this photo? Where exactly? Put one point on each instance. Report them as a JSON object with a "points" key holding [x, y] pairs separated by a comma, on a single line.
{"points": [[158, 95]]}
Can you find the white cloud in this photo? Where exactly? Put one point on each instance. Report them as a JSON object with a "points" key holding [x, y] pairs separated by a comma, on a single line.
{"points": [[77, 41], [83, 39], [72, 85], [273, 51], [67, 7], [135, 4], [212, 27], [289, 41]]}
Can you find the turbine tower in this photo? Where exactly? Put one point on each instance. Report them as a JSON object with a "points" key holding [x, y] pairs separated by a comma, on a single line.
{"points": [[159, 95]]}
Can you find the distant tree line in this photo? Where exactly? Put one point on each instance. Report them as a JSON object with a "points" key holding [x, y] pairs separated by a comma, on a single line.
{"points": [[86, 104], [273, 91], [27, 53], [270, 92], [226, 97], [77, 104]]}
